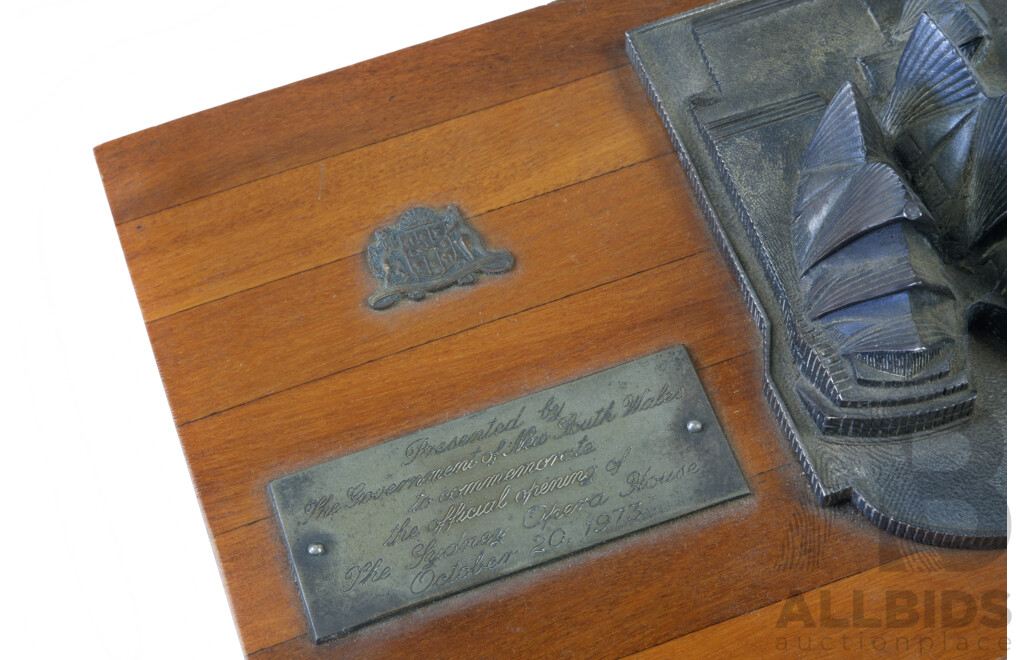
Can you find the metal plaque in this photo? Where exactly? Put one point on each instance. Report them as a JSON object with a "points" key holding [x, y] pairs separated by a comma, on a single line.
{"points": [[457, 505]]}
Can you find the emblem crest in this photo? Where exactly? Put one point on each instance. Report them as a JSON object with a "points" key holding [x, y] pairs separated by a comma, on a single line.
{"points": [[427, 251]]}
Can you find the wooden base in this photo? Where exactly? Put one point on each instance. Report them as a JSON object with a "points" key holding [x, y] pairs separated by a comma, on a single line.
{"points": [[244, 228]]}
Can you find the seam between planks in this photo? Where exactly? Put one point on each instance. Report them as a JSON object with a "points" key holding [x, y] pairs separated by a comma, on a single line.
{"points": [[452, 334], [357, 254], [701, 370], [368, 144]]}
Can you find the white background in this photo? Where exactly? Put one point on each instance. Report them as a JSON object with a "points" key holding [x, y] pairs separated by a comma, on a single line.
{"points": [[104, 546], [102, 542]]}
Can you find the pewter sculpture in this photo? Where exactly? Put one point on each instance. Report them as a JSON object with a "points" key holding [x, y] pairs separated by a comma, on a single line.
{"points": [[428, 251], [851, 160]]}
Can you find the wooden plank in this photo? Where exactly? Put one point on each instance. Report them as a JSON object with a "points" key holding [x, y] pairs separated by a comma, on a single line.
{"points": [[298, 124], [233, 455], [313, 215], [316, 323], [632, 593], [261, 586], [952, 605]]}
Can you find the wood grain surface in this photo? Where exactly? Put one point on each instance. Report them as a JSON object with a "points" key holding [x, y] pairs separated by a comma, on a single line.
{"points": [[873, 613], [244, 228]]}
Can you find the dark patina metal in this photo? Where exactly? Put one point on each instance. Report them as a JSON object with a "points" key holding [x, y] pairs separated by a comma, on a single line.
{"points": [[472, 500], [850, 156], [427, 251]]}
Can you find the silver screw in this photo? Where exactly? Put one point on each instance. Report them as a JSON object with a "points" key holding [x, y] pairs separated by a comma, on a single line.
{"points": [[315, 549], [694, 426]]}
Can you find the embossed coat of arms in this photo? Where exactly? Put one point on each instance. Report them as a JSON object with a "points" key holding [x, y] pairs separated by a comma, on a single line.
{"points": [[427, 251]]}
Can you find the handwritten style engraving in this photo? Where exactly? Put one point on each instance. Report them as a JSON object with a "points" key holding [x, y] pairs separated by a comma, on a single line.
{"points": [[427, 579], [463, 503], [641, 402], [461, 512], [427, 554], [427, 251], [581, 477], [638, 482], [371, 571], [402, 532], [572, 422], [541, 514], [321, 508], [422, 447]]}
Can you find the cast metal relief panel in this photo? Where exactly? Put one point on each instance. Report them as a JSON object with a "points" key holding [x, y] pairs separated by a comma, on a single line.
{"points": [[851, 160], [439, 511]]}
